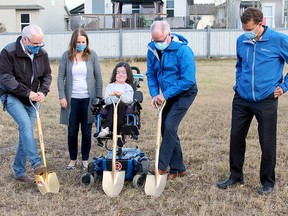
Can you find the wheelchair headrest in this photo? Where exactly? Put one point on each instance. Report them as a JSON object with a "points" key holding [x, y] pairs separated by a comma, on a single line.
{"points": [[136, 69]]}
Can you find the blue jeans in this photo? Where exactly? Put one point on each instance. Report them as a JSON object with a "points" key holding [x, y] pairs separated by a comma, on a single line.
{"points": [[79, 115], [172, 115], [25, 117]]}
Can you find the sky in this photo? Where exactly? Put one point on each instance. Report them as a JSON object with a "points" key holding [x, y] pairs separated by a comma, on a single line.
{"points": [[74, 3]]}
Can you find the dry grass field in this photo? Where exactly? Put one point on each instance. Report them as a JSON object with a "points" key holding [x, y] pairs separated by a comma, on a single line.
{"points": [[205, 140]]}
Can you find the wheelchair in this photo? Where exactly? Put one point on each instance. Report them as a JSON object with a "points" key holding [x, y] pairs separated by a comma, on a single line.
{"points": [[132, 160], [132, 115]]}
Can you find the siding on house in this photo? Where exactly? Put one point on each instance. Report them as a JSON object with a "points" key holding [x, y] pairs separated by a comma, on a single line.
{"points": [[49, 15]]}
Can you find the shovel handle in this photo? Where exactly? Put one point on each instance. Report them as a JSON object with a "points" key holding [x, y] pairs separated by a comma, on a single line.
{"points": [[158, 136], [40, 133], [115, 136]]}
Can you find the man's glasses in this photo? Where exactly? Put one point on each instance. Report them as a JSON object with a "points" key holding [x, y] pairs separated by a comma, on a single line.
{"points": [[160, 41], [36, 44]]}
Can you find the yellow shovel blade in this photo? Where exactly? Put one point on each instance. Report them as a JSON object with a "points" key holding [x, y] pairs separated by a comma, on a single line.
{"points": [[47, 183], [155, 184], [112, 182]]}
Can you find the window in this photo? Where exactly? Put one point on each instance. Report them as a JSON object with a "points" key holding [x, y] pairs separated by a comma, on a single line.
{"points": [[269, 14], [135, 8], [25, 20], [170, 8]]}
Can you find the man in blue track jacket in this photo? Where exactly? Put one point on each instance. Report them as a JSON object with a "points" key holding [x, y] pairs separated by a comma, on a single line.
{"points": [[261, 55], [171, 76]]}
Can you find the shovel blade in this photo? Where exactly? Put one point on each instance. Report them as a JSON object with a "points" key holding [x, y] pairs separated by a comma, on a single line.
{"points": [[155, 184], [112, 182], [47, 183]]}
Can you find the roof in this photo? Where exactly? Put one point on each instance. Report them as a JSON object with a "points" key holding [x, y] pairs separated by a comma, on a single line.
{"points": [[78, 9], [202, 9], [22, 7]]}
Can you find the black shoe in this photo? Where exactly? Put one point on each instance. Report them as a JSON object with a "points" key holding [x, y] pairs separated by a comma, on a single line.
{"points": [[229, 182], [265, 190]]}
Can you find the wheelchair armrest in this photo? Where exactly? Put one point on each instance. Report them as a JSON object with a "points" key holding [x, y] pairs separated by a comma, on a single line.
{"points": [[97, 104]]}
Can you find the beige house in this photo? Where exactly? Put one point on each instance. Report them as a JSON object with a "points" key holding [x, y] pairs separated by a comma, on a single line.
{"points": [[48, 14]]}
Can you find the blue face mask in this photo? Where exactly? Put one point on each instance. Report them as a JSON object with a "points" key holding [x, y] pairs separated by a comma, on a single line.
{"points": [[250, 35], [32, 49], [161, 45], [81, 47]]}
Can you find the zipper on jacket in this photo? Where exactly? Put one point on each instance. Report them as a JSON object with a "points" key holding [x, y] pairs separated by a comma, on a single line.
{"points": [[253, 72]]}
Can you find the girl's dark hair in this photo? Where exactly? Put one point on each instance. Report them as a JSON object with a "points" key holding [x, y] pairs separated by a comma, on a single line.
{"points": [[254, 14], [128, 72], [73, 42]]}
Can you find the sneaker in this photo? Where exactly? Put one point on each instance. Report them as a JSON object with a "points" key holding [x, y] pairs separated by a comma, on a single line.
{"points": [[71, 165], [25, 178], [39, 169], [103, 133]]}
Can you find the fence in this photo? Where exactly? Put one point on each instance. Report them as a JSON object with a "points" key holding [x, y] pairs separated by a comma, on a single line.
{"points": [[208, 43]]}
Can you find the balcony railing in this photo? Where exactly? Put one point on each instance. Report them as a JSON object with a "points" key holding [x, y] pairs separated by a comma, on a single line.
{"points": [[123, 21]]}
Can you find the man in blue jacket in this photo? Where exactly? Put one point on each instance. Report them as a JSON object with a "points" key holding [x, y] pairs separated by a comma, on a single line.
{"points": [[171, 76], [261, 55]]}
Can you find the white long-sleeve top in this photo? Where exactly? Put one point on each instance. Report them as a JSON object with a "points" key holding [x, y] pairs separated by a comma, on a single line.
{"points": [[127, 93]]}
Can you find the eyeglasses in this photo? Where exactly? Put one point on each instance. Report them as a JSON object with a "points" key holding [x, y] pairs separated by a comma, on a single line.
{"points": [[36, 44], [160, 41]]}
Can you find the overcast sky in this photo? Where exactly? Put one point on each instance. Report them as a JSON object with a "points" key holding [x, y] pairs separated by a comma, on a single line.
{"points": [[74, 3]]}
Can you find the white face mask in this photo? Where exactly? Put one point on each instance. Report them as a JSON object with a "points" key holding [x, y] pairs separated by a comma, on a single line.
{"points": [[161, 45]]}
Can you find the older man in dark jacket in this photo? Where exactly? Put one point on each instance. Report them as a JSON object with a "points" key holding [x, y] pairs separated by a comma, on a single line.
{"points": [[25, 75]]}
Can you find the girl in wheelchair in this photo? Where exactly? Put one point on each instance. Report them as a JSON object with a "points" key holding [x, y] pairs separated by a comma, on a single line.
{"points": [[121, 83]]}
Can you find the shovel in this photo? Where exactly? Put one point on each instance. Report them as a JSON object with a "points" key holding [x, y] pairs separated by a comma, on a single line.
{"points": [[46, 182], [112, 182], [155, 184]]}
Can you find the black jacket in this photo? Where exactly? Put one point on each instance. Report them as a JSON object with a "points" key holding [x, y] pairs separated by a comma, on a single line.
{"points": [[17, 69]]}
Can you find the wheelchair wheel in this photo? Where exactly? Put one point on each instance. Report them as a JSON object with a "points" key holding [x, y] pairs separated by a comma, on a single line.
{"points": [[87, 180], [138, 181]]}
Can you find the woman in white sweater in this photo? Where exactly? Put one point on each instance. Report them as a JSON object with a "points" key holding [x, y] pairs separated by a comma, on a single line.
{"points": [[79, 81]]}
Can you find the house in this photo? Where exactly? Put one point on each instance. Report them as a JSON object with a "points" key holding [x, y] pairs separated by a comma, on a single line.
{"points": [[110, 14], [48, 14], [274, 11], [202, 15]]}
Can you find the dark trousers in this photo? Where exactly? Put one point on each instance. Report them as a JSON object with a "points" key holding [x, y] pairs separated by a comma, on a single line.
{"points": [[79, 115], [172, 115], [243, 112], [122, 107]]}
